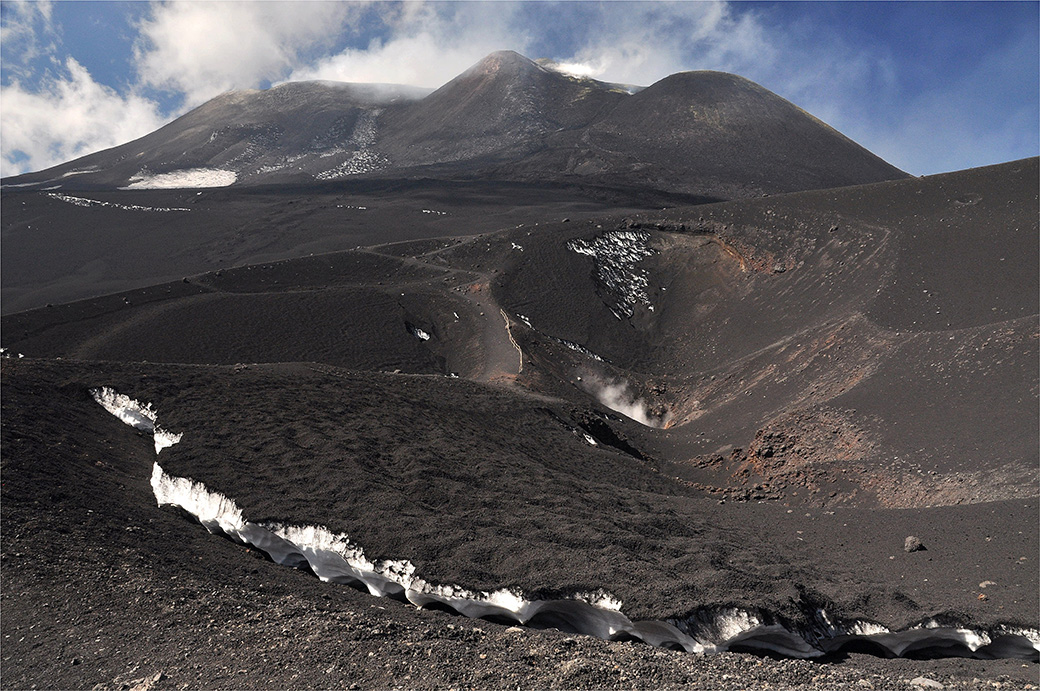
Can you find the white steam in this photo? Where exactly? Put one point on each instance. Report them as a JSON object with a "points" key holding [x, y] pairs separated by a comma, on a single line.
{"points": [[615, 395]]}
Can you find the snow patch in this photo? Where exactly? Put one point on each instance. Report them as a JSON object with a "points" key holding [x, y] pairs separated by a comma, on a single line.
{"points": [[137, 415], [335, 558], [180, 179], [577, 348], [362, 159], [81, 171], [84, 202], [615, 255]]}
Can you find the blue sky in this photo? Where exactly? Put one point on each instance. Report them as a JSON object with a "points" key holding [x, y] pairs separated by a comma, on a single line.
{"points": [[929, 86]]}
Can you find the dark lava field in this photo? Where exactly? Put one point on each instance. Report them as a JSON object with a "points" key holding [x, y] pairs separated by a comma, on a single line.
{"points": [[528, 382]]}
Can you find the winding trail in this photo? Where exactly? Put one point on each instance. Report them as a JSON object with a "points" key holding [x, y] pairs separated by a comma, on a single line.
{"points": [[498, 361]]}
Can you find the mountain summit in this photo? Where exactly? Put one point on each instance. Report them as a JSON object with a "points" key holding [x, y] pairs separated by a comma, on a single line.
{"points": [[506, 62], [706, 133]]}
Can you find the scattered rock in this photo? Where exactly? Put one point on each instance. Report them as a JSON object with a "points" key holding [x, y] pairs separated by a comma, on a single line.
{"points": [[925, 683], [986, 584], [913, 544], [146, 683]]}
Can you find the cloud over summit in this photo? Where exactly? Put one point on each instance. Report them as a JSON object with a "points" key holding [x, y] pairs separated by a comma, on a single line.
{"points": [[203, 49]]}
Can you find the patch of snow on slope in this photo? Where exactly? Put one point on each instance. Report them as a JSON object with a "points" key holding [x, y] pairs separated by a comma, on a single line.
{"points": [[335, 558], [81, 171], [84, 202], [615, 255], [577, 348], [363, 159], [181, 179], [135, 414]]}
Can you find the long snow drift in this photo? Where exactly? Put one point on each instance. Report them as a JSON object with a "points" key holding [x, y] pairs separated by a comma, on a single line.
{"points": [[334, 558], [138, 416], [87, 203], [181, 179]]}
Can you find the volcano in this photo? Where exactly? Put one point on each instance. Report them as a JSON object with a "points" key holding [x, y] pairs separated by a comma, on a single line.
{"points": [[507, 119], [678, 366]]}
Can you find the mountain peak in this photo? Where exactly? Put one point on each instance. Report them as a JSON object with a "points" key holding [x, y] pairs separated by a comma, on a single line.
{"points": [[506, 61]]}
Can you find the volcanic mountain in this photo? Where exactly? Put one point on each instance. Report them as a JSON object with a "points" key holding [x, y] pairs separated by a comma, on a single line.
{"points": [[506, 118], [553, 398]]}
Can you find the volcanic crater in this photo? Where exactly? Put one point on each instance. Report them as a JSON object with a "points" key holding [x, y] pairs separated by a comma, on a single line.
{"points": [[682, 366]]}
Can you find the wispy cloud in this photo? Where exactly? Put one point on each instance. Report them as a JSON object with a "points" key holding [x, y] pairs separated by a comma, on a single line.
{"points": [[26, 33], [69, 116], [975, 116], [424, 44], [640, 43], [201, 49]]}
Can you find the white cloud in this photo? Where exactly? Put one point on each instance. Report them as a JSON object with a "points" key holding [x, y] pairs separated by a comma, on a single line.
{"points": [[25, 19], [429, 44], [26, 33], [202, 49], [638, 43], [952, 121], [69, 117], [642, 43]]}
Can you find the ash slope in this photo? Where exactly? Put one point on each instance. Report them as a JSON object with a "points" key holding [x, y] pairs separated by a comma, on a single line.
{"points": [[506, 118], [439, 501], [101, 588], [459, 478], [811, 349], [65, 246]]}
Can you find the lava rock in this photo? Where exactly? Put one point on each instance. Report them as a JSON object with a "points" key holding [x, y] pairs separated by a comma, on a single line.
{"points": [[913, 544]]}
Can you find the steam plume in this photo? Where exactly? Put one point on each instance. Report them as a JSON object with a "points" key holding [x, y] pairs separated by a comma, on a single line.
{"points": [[615, 395]]}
